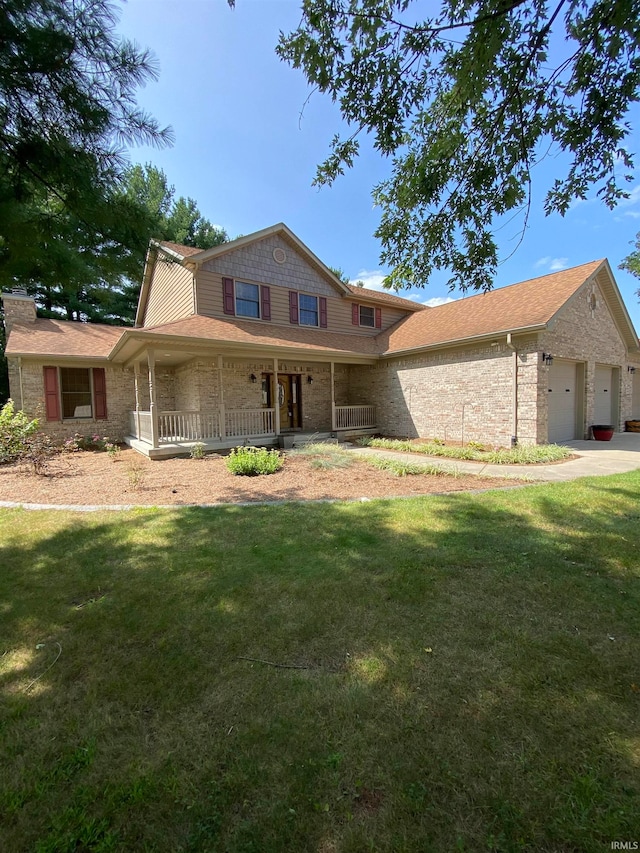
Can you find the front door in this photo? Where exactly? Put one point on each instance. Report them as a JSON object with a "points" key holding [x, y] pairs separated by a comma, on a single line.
{"points": [[288, 398]]}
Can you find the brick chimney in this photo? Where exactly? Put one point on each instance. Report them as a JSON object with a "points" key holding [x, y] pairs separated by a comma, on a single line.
{"points": [[18, 308]]}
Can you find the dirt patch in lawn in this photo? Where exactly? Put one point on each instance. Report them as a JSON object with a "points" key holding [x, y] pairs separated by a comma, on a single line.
{"points": [[86, 478]]}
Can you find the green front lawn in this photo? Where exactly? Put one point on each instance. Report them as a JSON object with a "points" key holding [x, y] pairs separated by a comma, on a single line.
{"points": [[466, 675]]}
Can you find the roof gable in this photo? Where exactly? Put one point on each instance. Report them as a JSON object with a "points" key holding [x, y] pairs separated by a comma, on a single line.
{"points": [[528, 305], [288, 236]]}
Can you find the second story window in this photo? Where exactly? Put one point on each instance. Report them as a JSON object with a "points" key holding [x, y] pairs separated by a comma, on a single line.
{"points": [[308, 310], [247, 300], [367, 316]]}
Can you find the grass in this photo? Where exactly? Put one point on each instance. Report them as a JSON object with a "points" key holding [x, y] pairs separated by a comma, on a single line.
{"points": [[330, 456], [324, 454], [404, 469], [470, 677], [520, 455]]}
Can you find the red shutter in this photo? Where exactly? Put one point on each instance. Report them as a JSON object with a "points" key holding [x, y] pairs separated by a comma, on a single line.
{"points": [[265, 300], [227, 294], [293, 307], [322, 301], [51, 396], [378, 318], [355, 315], [99, 394]]}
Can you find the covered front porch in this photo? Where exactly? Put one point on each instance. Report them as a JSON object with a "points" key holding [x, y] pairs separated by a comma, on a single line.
{"points": [[226, 400]]}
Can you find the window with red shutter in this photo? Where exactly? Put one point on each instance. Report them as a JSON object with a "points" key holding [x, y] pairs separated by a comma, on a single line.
{"points": [[100, 393], [265, 299], [228, 296], [323, 312], [51, 394], [293, 307], [355, 314]]}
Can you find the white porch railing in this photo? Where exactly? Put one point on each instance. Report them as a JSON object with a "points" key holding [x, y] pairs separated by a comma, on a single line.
{"points": [[246, 422], [176, 426], [355, 417], [185, 426], [145, 425]]}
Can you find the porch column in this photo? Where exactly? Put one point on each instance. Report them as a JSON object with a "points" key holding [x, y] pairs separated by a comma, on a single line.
{"points": [[333, 397], [221, 413], [151, 360], [276, 400], [136, 385]]}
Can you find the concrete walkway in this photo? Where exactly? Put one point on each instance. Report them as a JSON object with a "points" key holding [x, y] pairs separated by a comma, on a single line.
{"points": [[596, 458]]}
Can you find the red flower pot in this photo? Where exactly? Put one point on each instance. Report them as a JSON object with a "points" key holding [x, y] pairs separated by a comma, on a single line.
{"points": [[602, 432]]}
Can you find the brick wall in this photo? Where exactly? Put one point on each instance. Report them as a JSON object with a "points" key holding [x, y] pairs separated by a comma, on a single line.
{"points": [[456, 394], [17, 309], [589, 335], [195, 386], [120, 400]]}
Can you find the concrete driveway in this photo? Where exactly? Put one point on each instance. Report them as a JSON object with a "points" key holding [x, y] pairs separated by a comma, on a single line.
{"points": [[595, 458]]}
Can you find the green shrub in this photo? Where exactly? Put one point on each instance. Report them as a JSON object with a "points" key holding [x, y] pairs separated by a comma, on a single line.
{"points": [[197, 450], [251, 461], [15, 431]]}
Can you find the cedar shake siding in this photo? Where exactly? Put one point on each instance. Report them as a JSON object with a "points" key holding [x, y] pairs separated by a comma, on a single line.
{"points": [[171, 295], [256, 262]]}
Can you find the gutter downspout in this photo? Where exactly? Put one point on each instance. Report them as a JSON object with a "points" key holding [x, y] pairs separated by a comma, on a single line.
{"points": [[514, 391]]}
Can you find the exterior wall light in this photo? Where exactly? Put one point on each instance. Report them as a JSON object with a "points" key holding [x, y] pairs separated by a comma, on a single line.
{"points": [[309, 380], [631, 369], [253, 378], [547, 358]]}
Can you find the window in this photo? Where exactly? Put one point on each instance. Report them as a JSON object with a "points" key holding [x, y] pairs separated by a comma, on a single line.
{"points": [[308, 310], [75, 392], [367, 316], [247, 300]]}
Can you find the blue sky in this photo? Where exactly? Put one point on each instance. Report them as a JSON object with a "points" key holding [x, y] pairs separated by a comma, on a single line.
{"points": [[248, 139]]}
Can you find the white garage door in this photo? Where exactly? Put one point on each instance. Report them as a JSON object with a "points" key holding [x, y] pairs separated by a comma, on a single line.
{"points": [[636, 395], [562, 401], [604, 395]]}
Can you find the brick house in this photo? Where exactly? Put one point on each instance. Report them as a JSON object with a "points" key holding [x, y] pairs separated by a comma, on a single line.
{"points": [[257, 338]]}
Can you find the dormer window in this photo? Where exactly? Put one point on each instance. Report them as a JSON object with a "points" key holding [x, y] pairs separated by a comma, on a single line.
{"points": [[367, 316]]}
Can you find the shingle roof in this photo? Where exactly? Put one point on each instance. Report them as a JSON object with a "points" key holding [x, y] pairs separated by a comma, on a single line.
{"points": [[63, 338], [263, 334], [384, 296], [179, 249], [530, 303]]}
